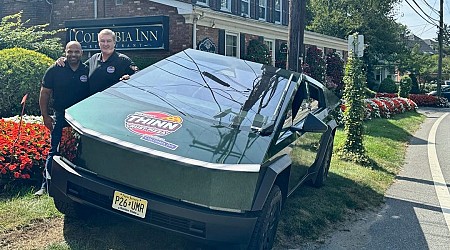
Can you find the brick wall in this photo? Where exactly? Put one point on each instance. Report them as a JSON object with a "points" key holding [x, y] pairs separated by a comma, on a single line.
{"points": [[179, 36], [37, 11]]}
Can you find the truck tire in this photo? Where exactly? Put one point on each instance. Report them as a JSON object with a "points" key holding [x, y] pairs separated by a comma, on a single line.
{"points": [[322, 174], [72, 209], [266, 226]]}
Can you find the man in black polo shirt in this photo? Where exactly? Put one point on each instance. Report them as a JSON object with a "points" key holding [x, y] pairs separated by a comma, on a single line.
{"points": [[66, 85], [108, 67]]}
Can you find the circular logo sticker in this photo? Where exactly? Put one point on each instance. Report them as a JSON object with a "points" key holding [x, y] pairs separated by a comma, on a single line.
{"points": [[153, 123], [83, 78], [110, 69]]}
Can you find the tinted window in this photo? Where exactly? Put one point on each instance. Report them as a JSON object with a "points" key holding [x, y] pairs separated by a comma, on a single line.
{"points": [[222, 89]]}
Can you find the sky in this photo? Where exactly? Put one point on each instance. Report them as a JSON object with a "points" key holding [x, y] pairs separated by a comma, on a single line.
{"points": [[415, 23]]}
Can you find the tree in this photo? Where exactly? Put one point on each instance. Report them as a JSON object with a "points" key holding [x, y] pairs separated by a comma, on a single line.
{"points": [[15, 34], [373, 19]]}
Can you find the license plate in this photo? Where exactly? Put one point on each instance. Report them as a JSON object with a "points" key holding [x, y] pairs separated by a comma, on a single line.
{"points": [[129, 204]]}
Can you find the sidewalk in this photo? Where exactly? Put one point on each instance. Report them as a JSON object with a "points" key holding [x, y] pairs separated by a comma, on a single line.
{"points": [[411, 217]]}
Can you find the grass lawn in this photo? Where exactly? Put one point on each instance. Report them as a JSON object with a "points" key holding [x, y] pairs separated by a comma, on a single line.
{"points": [[308, 212]]}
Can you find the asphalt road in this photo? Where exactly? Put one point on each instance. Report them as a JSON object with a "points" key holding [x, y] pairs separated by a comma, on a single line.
{"points": [[416, 214]]}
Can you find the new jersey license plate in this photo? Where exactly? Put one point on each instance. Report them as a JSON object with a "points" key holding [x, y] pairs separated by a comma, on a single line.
{"points": [[129, 204]]}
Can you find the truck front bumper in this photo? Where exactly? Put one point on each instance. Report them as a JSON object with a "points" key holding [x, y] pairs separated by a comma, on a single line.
{"points": [[199, 223]]}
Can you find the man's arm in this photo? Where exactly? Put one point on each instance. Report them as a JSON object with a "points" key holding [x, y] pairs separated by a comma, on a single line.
{"points": [[44, 98]]}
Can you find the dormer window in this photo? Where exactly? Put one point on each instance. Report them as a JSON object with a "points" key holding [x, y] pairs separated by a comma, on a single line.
{"points": [[203, 2], [245, 8], [277, 16], [262, 9], [225, 5]]}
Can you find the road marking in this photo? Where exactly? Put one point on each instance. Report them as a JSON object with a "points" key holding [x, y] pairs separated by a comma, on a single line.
{"points": [[436, 172]]}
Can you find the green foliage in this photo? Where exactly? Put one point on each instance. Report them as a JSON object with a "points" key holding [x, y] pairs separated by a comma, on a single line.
{"points": [[21, 72], [334, 72], [258, 52], [144, 62], [355, 81], [415, 88], [373, 19], [315, 64], [404, 86], [388, 86], [15, 34]]}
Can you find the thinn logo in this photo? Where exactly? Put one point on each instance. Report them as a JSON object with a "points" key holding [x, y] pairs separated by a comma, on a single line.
{"points": [[152, 125]]}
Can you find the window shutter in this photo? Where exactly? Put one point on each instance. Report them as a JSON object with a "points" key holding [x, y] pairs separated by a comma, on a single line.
{"points": [[242, 45], [222, 42], [285, 12]]}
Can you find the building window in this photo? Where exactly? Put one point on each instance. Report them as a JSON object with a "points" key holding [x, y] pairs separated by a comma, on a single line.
{"points": [[231, 45], [262, 9], [271, 46], [277, 16], [119, 2], [203, 2], [225, 5], [245, 8]]}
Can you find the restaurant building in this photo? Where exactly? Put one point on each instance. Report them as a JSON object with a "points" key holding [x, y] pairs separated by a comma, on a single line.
{"points": [[154, 29]]}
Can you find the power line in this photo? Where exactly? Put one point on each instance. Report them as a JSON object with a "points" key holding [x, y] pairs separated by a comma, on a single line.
{"points": [[420, 8], [431, 7], [428, 21]]}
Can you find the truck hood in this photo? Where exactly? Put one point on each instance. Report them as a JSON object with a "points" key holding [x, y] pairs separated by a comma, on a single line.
{"points": [[162, 130]]}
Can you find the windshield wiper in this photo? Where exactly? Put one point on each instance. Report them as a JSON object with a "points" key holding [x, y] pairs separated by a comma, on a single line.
{"points": [[215, 78]]}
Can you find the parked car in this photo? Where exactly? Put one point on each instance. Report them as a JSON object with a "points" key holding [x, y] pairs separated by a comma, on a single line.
{"points": [[201, 144], [445, 92]]}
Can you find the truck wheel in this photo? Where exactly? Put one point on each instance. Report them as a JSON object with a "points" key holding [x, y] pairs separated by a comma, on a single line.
{"points": [[72, 209], [266, 226], [322, 174]]}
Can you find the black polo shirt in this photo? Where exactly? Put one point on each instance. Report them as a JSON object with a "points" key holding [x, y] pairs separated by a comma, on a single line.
{"points": [[68, 86], [105, 74]]}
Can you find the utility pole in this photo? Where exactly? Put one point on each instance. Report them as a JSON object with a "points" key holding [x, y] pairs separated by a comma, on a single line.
{"points": [[440, 37], [297, 9]]}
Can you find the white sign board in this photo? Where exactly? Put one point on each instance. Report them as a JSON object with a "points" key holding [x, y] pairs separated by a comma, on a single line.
{"points": [[356, 47]]}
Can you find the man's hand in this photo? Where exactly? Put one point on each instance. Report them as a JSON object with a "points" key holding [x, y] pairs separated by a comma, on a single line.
{"points": [[125, 77], [61, 61], [48, 122]]}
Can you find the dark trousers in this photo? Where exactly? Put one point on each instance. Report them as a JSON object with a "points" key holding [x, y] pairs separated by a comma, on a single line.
{"points": [[55, 138]]}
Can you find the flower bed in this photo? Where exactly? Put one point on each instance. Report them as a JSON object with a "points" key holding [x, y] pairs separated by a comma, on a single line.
{"points": [[422, 100], [385, 107], [429, 100], [22, 157], [25, 158]]}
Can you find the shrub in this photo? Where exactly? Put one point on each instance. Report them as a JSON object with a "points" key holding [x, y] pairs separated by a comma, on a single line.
{"points": [[15, 33], [335, 72], [388, 86], [404, 86], [21, 72], [258, 52], [24, 158], [316, 63]]}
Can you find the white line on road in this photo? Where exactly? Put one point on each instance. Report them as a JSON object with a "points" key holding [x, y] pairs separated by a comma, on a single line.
{"points": [[436, 172]]}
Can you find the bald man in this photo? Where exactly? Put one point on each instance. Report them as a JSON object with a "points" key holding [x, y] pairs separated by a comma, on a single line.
{"points": [[66, 86]]}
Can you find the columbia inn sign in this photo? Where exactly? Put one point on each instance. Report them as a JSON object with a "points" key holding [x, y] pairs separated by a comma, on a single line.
{"points": [[131, 33]]}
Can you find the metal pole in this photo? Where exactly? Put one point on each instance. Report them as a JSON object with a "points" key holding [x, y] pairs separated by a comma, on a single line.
{"points": [[440, 37]]}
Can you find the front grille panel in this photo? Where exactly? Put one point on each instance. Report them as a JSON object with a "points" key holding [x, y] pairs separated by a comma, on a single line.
{"points": [[179, 224]]}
